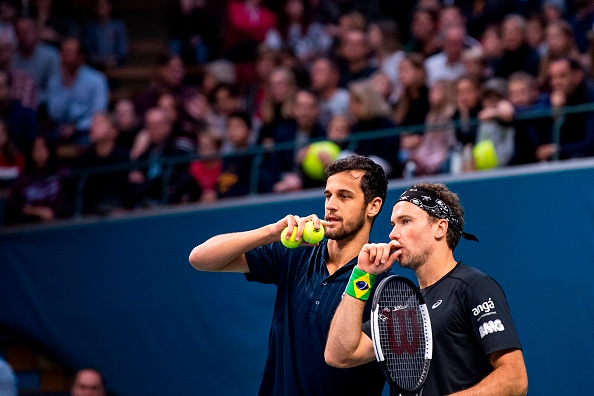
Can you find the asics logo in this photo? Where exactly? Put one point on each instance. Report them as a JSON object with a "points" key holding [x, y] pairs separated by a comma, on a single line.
{"points": [[437, 304]]}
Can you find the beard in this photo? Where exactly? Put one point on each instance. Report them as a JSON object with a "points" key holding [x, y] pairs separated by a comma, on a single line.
{"points": [[347, 229], [413, 261]]}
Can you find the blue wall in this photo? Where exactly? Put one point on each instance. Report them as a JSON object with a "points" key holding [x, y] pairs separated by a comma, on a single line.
{"points": [[120, 294]]}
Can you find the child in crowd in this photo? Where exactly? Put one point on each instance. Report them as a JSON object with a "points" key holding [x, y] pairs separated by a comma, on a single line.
{"points": [[206, 170], [495, 120], [432, 154]]}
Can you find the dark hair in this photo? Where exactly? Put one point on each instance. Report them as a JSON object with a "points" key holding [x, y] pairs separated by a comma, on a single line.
{"points": [[453, 201], [374, 182], [243, 116]]}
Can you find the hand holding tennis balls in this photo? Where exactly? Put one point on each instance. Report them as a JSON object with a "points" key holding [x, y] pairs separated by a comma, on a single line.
{"points": [[291, 242], [311, 234]]}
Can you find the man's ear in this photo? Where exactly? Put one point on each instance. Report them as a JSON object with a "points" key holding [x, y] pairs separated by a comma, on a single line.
{"points": [[442, 228], [374, 207]]}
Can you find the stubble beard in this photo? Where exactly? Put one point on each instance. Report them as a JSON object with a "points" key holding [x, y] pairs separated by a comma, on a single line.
{"points": [[347, 229], [414, 261]]}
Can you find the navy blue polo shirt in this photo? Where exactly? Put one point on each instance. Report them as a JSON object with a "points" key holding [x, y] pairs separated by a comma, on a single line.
{"points": [[306, 299]]}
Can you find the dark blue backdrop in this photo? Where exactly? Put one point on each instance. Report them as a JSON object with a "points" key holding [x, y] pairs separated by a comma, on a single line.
{"points": [[120, 294]]}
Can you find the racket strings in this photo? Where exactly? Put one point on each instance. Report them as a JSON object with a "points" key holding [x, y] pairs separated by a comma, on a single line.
{"points": [[402, 335]]}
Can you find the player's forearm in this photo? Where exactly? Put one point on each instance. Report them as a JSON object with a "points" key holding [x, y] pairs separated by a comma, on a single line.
{"points": [[508, 379], [344, 346], [224, 252]]}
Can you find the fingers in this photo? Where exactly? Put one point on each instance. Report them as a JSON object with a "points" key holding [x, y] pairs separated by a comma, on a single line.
{"points": [[298, 221], [376, 258]]}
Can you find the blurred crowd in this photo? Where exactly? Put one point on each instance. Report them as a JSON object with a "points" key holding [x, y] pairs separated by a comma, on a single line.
{"points": [[452, 86]]}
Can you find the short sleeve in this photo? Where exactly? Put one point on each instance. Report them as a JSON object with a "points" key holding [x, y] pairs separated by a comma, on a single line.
{"points": [[490, 315], [263, 266]]}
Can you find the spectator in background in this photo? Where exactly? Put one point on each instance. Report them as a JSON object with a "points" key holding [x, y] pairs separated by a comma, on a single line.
{"points": [[74, 94], [206, 170], [267, 60], [52, 24], [106, 38], [146, 185], [299, 131], [103, 192], [384, 42], [451, 15], [21, 121], [424, 32], [447, 64], [126, 122], [297, 31], [12, 161], [517, 55], [371, 113], [247, 24], [559, 43], [570, 87], [88, 382], [276, 106], [474, 64], [535, 34], [468, 97], [197, 115], [333, 100], [492, 46], [354, 53], [22, 86], [40, 61], [523, 94], [236, 172], [194, 30], [37, 195], [553, 10], [413, 105], [170, 78], [225, 100], [432, 154], [219, 71], [495, 120]]}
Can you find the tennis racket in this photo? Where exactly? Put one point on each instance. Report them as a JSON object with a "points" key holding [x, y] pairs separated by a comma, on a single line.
{"points": [[401, 333]]}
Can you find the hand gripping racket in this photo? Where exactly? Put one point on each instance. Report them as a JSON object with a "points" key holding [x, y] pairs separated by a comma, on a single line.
{"points": [[401, 333]]}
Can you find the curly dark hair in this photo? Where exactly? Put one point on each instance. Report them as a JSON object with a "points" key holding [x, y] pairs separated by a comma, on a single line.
{"points": [[374, 182], [453, 201]]}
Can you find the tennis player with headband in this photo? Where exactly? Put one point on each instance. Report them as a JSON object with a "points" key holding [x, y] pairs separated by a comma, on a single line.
{"points": [[476, 349]]}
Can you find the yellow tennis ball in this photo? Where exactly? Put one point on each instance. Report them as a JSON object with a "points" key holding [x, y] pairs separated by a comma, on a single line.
{"points": [[312, 166], [291, 242], [311, 234], [485, 156]]}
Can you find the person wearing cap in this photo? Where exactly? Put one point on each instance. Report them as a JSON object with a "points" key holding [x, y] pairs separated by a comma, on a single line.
{"points": [[476, 347]]}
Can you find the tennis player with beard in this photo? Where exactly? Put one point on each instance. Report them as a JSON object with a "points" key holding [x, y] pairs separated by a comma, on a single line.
{"points": [[476, 349], [310, 281]]}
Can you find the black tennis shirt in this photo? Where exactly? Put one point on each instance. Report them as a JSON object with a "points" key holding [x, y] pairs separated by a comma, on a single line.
{"points": [[470, 318]]}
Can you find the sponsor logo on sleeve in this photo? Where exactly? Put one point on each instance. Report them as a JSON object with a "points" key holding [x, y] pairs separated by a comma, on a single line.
{"points": [[490, 327], [485, 309]]}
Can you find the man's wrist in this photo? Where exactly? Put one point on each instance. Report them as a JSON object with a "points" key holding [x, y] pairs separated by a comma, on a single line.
{"points": [[360, 284]]}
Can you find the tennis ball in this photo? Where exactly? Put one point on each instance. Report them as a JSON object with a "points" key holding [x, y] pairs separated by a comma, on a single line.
{"points": [[484, 154], [291, 242], [311, 234], [312, 166]]}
